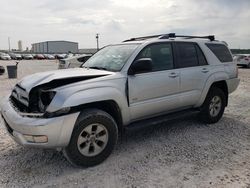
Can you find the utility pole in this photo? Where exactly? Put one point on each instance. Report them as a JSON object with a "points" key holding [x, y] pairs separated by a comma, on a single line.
{"points": [[97, 41], [9, 43]]}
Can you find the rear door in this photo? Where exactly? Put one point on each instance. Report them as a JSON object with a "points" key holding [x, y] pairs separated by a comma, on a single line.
{"points": [[194, 71], [154, 92]]}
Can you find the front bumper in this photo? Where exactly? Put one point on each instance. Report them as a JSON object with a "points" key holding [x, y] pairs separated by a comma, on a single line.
{"points": [[232, 84], [58, 129]]}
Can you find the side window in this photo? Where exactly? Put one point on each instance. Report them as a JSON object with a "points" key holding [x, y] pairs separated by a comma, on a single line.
{"points": [[201, 57], [186, 54], [161, 55], [221, 52]]}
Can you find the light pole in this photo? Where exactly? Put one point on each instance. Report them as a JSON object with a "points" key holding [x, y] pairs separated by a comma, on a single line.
{"points": [[9, 43], [97, 41]]}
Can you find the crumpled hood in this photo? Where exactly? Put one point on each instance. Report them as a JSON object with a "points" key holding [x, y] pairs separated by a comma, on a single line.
{"points": [[65, 76]]}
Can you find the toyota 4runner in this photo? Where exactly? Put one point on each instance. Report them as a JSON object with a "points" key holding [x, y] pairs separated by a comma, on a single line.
{"points": [[81, 111]]}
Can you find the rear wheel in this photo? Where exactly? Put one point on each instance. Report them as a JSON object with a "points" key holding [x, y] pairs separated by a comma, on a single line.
{"points": [[93, 138], [214, 106]]}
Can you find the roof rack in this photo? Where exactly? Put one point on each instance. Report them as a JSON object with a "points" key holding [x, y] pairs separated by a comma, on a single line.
{"points": [[142, 38], [171, 35]]}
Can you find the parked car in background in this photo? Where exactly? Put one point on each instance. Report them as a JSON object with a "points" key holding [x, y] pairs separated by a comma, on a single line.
{"points": [[49, 56], [60, 56], [69, 55], [242, 60], [73, 62], [4, 56], [39, 56], [15, 56], [27, 56]]}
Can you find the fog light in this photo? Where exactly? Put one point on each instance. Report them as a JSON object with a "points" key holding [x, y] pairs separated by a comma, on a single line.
{"points": [[29, 138], [40, 139], [36, 139]]}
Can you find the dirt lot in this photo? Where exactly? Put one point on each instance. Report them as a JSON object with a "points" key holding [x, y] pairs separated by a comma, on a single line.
{"points": [[183, 153]]}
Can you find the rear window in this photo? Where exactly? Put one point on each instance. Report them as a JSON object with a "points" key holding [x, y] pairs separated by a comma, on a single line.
{"points": [[221, 52]]}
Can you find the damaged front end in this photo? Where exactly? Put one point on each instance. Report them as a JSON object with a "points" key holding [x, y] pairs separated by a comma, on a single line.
{"points": [[35, 102]]}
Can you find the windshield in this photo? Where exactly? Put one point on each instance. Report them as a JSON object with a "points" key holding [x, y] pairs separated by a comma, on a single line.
{"points": [[111, 58]]}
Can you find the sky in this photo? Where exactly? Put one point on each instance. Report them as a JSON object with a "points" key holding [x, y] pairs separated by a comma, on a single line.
{"points": [[116, 20]]}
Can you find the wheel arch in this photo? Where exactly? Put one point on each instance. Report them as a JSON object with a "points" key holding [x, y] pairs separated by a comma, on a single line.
{"points": [[108, 106], [101, 97], [223, 86], [216, 80]]}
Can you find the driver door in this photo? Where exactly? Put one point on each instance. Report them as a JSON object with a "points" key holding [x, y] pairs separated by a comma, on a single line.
{"points": [[155, 92]]}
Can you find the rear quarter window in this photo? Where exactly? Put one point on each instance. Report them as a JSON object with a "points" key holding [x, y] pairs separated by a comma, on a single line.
{"points": [[221, 52]]}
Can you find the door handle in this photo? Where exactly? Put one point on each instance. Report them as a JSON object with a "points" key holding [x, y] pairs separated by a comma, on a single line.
{"points": [[173, 75], [204, 70]]}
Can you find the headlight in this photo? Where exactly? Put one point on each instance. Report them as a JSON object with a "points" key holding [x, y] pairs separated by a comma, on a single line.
{"points": [[45, 99]]}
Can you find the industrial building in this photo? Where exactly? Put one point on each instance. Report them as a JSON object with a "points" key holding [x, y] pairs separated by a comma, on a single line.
{"points": [[55, 47], [88, 51]]}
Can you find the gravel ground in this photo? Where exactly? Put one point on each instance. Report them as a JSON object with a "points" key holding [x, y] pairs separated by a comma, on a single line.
{"points": [[183, 153]]}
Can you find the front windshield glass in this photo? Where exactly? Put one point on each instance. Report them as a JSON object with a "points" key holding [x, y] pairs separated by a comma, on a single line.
{"points": [[111, 58]]}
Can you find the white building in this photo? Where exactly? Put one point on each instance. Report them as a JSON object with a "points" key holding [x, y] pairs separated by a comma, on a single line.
{"points": [[20, 45]]}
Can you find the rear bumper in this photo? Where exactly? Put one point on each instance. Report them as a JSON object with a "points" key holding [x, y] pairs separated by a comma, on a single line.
{"points": [[232, 84], [58, 130], [243, 63]]}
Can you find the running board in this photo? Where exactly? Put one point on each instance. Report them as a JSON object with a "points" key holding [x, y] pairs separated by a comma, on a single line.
{"points": [[160, 119]]}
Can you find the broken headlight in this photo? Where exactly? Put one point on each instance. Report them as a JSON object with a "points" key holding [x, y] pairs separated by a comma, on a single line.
{"points": [[45, 98]]}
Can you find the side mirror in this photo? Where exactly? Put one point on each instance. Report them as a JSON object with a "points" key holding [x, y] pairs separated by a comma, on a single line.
{"points": [[140, 66]]}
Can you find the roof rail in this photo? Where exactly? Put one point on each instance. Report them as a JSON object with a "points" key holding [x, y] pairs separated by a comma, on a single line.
{"points": [[142, 38], [171, 35]]}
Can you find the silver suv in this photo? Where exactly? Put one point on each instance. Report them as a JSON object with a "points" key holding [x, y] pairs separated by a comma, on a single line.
{"points": [[141, 81]]}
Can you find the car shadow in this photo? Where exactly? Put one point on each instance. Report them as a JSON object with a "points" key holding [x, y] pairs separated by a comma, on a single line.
{"points": [[227, 124]]}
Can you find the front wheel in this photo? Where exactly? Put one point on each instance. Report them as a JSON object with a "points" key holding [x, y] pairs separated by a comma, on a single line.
{"points": [[93, 138], [214, 106]]}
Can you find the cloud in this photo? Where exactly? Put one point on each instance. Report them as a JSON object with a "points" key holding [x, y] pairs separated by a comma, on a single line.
{"points": [[116, 20]]}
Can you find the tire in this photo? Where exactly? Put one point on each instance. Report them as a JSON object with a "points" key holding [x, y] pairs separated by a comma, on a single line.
{"points": [[213, 106], [248, 66], [93, 128]]}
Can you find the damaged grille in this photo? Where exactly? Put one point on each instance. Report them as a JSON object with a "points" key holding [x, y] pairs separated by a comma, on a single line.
{"points": [[19, 99], [18, 106]]}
